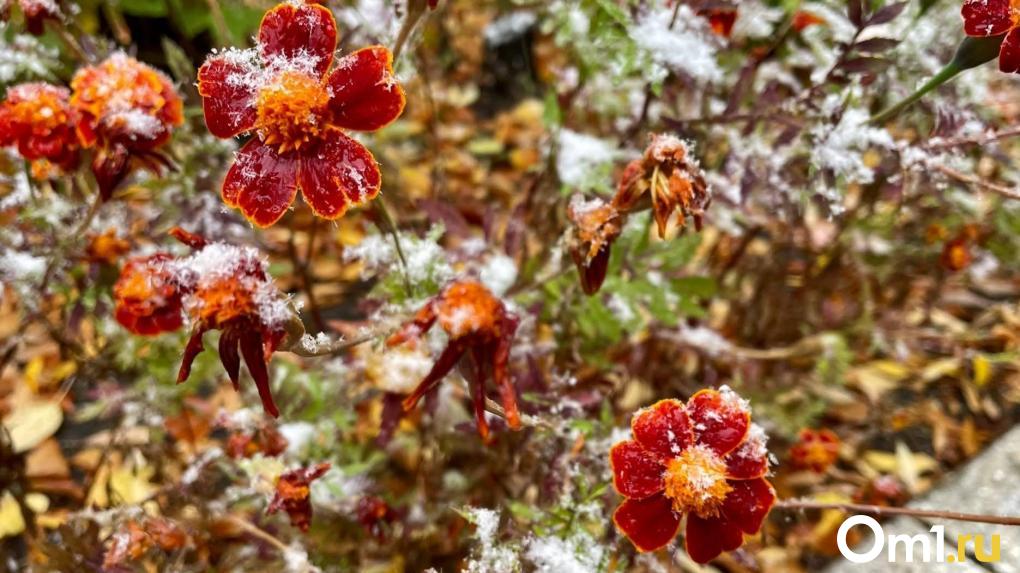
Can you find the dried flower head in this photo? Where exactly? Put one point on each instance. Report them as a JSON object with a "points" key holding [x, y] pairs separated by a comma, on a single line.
{"points": [[265, 439], [987, 18], [704, 460], [36, 13], [148, 296], [596, 224], [670, 174], [126, 110], [38, 119], [720, 17], [284, 93], [293, 490], [475, 320], [816, 450]]}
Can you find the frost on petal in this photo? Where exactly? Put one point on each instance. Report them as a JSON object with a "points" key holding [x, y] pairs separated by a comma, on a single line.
{"points": [[337, 173], [748, 503], [1009, 53], [986, 17], [299, 32], [649, 523], [720, 419], [750, 459], [636, 473], [261, 182], [663, 428], [365, 94], [228, 105]]}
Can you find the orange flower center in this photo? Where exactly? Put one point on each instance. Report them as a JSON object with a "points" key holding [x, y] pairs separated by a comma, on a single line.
{"points": [[222, 301], [291, 111], [696, 481], [467, 307]]}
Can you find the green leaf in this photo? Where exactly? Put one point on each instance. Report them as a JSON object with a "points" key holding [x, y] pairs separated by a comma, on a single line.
{"points": [[143, 8]]}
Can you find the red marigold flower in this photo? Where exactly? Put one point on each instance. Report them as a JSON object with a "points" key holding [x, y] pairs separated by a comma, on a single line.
{"points": [[987, 18], [284, 92], [36, 12], [228, 288], [721, 19], [292, 494], [704, 459], [673, 178], [127, 111], [107, 247], [816, 450], [38, 119], [474, 320], [803, 19], [148, 297], [596, 225]]}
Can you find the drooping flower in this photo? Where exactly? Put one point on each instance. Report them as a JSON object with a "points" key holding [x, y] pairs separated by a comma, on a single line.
{"points": [[228, 288], [126, 110], [990, 18], [703, 460], [476, 321], [596, 225], [38, 119], [148, 296], [816, 450], [36, 13], [670, 174], [293, 490], [284, 92], [720, 18]]}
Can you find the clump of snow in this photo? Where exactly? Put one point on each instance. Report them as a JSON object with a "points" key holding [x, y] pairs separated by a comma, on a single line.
{"points": [[490, 555], [399, 369], [756, 20], [841, 147], [705, 339], [732, 401], [317, 343], [684, 45], [427, 261], [578, 553], [509, 27], [582, 158], [17, 266], [498, 274], [299, 436], [24, 56], [295, 559]]}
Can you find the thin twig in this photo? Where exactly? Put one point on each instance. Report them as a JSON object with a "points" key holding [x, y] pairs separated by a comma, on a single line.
{"points": [[258, 532], [336, 347], [976, 181], [979, 139], [799, 505]]}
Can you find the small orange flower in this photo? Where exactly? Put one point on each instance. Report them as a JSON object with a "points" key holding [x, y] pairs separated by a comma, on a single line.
{"points": [[284, 92], [127, 111], [816, 450], [36, 13], [227, 288], [293, 494], [148, 296], [265, 440], [596, 225], [474, 320], [803, 19], [38, 119], [107, 248], [703, 459], [721, 18], [673, 178]]}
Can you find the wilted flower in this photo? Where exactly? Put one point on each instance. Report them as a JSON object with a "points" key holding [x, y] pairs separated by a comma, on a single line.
{"points": [[148, 296], [227, 288], [127, 111], [36, 12], [721, 18], [705, 460], [474, 320], [107, 247], [988, 18], [283, 91], [816, 450], [139, 537], [373, 513], [956, 252], [38, 119], [672, 177], [596, 224], [265, 440], [292, 494]]}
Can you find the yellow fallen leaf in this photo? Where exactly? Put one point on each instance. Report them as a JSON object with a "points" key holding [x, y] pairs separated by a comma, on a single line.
{"points": [[31, 422], [939, 368], [12, 522], [876, 378], [982, 370]]}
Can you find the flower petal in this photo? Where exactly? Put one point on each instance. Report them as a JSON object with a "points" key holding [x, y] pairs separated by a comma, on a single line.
{"points": [[649, 523], [751, 459], [191, 350], [251, 349], [229, 356], [229, 104], [636, 473], [338, 173], [720, 419], [706, 539], [983, 18], [299, 32], [1009, 53], [261, 182], [748, 503], [366, 96], [663, 428]]}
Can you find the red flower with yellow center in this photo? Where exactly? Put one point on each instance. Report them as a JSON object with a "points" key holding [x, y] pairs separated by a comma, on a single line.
{"points": [[228, 289], [474, 320], [127, 111], [816, 450], [148, 297], [284, 93], [38, 119], [704, 460], [987, 18]]}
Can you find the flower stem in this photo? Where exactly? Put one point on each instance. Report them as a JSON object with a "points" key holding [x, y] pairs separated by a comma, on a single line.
{"points": [[945, 74], [391, 228], [799, 505]]}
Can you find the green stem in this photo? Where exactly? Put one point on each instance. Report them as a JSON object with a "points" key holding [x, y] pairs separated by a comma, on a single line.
{"points": [[945, 74], [391, 227]]}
